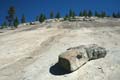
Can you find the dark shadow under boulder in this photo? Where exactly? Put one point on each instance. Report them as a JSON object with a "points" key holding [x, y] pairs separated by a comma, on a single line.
{"points": [[58, 70]]}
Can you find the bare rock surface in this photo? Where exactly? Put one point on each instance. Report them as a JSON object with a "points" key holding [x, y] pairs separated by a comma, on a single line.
{"points": [[31, 54]]}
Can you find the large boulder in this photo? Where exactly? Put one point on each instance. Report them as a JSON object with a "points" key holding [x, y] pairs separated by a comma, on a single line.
{"points": [[75, 57]]}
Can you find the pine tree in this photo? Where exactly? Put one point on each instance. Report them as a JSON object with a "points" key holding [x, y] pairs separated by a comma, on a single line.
{"points": [[118, 14], [4, 25], [42, 18], [103, 14], [73, 16], [114, 15], [57, 15], [90, 13], [71, 13], [23, 19], [45, 18], [85, 13], [51, 15], [37, 18], [66, 17], [11, 14], [97, 14], [81, 14], [16, 22]]}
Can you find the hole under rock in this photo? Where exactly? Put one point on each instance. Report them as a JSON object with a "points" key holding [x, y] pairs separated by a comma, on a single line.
{"points": [[58, 70]]}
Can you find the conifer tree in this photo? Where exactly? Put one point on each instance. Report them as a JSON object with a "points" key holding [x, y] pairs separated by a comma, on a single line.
{"points": [[11, 14], [66, 17], [42, 18], [4, 25], [118, 14], [103, 14], [90, 13], [81, 14], [57, 15], [51, 15], [97, 14], [74, 14], [16, 22], [23, 19], [71, 13], [85, 13], [37, 18]]}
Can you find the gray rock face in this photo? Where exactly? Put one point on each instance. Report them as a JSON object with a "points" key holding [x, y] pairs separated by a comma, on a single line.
{"points": [[75, 57], [95, 52]]}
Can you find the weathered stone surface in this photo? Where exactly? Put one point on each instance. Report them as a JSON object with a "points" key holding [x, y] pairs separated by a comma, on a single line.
{"points": [[75, 57], [95, 52]]}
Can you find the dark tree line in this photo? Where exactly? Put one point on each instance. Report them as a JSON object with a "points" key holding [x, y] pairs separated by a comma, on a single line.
{"points": [[42, 16], [116, 15], [90, 13], [13, 21]]}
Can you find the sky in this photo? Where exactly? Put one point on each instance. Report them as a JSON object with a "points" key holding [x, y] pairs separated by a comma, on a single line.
{"points": [[32, 8]]}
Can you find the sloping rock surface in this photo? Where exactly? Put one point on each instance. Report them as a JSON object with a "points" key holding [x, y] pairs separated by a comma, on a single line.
{"points": [[28, 52]]}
